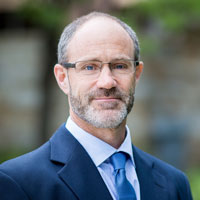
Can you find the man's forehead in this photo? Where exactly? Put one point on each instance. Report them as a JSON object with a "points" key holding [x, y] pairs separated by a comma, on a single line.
{"points": [[99, 33], [100, 25]]}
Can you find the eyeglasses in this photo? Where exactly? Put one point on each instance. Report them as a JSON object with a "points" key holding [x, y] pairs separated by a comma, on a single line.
{"points": [[93, 67]]}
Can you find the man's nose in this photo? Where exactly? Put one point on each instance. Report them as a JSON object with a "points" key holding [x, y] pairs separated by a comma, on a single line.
{"points": [[106, 79]]}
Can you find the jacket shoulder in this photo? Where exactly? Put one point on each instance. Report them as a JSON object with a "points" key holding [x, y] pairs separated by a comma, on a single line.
{"points": [[18, 173], [159, 165], [26, 163], [176, 179]]}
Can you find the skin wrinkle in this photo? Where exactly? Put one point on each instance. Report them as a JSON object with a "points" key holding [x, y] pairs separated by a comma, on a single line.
{"points": [[103, 42]]}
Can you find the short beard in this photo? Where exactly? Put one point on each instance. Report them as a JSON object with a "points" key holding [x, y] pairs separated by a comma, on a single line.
{"points": [[111, 115]]}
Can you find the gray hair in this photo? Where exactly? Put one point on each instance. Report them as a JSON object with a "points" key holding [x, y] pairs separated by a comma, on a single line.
{"points": [[71, 29]]}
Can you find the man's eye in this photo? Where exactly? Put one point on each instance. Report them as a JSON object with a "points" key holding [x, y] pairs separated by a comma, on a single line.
{"points": [[120, 66], [89, 67]]}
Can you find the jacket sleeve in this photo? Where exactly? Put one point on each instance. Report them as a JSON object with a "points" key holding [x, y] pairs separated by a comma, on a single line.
{"points": [[184, 190], [188, 189], [9, 189]]}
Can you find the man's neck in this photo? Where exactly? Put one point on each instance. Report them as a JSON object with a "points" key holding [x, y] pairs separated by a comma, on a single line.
{"points": [[114, 136]]}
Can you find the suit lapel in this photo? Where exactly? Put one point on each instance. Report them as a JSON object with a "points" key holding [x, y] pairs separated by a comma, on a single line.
{"points": [[152, 183], [79, 172], [81, 175]]}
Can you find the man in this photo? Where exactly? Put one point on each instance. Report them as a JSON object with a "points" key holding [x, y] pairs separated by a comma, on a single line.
{"points": [[91, 156]]}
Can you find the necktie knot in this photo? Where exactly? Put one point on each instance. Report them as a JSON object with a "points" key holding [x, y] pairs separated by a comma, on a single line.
{"points": [[118, 160]]}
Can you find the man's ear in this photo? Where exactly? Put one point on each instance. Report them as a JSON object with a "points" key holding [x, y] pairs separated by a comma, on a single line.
{"points": [[138, 71], [61, 77]]}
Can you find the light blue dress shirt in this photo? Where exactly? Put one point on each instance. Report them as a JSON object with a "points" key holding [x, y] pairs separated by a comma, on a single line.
{"points": [[100, 152]]}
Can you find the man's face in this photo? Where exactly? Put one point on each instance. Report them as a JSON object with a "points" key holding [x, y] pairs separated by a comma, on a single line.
{"points": [[105, 101]]}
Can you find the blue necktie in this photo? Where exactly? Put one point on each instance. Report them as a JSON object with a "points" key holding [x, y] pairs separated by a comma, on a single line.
{"points": [[124, 189]]}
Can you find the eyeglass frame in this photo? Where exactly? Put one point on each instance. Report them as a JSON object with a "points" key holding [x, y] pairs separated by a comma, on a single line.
{"points": [[73, 65]]}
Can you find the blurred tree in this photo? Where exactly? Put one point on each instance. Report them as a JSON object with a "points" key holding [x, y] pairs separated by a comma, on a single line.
{"points": [[156, 20]]}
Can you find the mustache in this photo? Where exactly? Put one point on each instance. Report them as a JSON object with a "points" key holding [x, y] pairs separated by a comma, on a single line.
{"points": [[113, 92]]}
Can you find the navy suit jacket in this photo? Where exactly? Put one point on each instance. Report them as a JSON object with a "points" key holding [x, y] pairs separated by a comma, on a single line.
{"points": [[62, 170]]}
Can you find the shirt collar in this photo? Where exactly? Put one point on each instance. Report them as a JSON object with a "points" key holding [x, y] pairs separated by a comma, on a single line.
{"points": [[97, 149]]}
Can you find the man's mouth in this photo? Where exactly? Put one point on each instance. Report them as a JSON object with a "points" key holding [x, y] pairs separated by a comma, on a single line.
{"points": [[105, 96], [106, 99]]}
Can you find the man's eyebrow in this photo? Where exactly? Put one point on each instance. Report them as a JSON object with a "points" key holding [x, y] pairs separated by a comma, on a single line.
{"points": [[96, 58], [89, 59]]}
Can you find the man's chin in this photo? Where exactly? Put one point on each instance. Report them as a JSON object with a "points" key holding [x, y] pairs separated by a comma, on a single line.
{"points": [[106, 112], [107, 106], [107, 118]]}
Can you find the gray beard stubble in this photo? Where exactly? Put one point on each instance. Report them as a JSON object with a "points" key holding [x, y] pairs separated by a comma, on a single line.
{"points": [[93, 116]]}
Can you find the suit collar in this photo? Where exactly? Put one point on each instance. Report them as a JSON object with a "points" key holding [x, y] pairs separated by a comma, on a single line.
{"points": [[152, 183], [62, 145], [97, 149], [79, 172]]}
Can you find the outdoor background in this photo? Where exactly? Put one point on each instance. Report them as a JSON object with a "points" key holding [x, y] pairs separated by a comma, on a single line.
{"points": [[165, 120]]}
